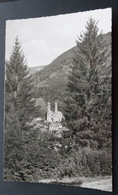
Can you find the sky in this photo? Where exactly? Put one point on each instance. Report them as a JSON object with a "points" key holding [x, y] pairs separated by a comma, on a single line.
{"points": [[45, 38]]}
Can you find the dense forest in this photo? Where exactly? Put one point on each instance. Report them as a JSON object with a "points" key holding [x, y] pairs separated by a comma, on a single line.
{"points": [[82, 87]]}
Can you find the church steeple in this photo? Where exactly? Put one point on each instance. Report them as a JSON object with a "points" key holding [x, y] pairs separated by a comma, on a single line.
{"points": [[56, 107], [48, 107]]}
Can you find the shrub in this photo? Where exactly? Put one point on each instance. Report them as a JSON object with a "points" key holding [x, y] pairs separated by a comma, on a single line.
{"points": [[86, 162]]}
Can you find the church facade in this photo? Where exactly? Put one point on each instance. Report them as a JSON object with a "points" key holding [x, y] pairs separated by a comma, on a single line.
{"points": [[55, 116]]}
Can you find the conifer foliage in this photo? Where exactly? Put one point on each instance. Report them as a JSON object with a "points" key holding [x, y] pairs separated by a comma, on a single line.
{"points": [[19, 84], [88, 96], [18, 108]]}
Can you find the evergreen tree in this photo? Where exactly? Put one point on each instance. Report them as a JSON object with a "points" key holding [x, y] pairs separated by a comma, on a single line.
{"points": [[13, 139], [19, 109], [88, 96], [21, 85]]}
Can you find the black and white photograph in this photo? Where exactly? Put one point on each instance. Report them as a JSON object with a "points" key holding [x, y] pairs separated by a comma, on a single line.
{"points": [[58, 100]]}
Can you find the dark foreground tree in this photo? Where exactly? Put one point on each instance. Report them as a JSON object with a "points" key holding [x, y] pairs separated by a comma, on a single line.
{"points": [[19, 109], [20, 84], [88, 96]]}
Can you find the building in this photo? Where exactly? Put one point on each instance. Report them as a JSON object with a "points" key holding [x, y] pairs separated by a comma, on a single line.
{"points": [[55, 116]]}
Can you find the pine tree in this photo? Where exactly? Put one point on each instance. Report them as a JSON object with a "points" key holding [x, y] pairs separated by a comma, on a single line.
{"points": [[19, 109], [13, 144], [87, 105], [21, 85]]}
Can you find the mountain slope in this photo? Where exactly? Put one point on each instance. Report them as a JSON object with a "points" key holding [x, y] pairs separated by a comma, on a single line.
{"points": [[50, 82], [35, 69]]}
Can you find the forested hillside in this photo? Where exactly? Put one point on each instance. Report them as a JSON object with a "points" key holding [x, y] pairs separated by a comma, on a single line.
{"points": [[50, 82]]}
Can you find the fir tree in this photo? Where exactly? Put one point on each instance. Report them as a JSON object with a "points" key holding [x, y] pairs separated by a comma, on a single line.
{"points": [[20, 84], [19, 109], [87, 103], [13, 139]]}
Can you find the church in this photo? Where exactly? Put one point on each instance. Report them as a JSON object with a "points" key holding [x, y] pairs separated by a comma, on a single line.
{"points": [[55, 116]]}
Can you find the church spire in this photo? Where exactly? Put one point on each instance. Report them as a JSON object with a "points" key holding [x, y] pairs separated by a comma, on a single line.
{"points": [[56, 107], [48, 107]]}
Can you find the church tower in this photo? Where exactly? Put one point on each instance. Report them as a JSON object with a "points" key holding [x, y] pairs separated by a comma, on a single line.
{"points": [[49, 113], [56, 107], [48, 107], [55, 116]]}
